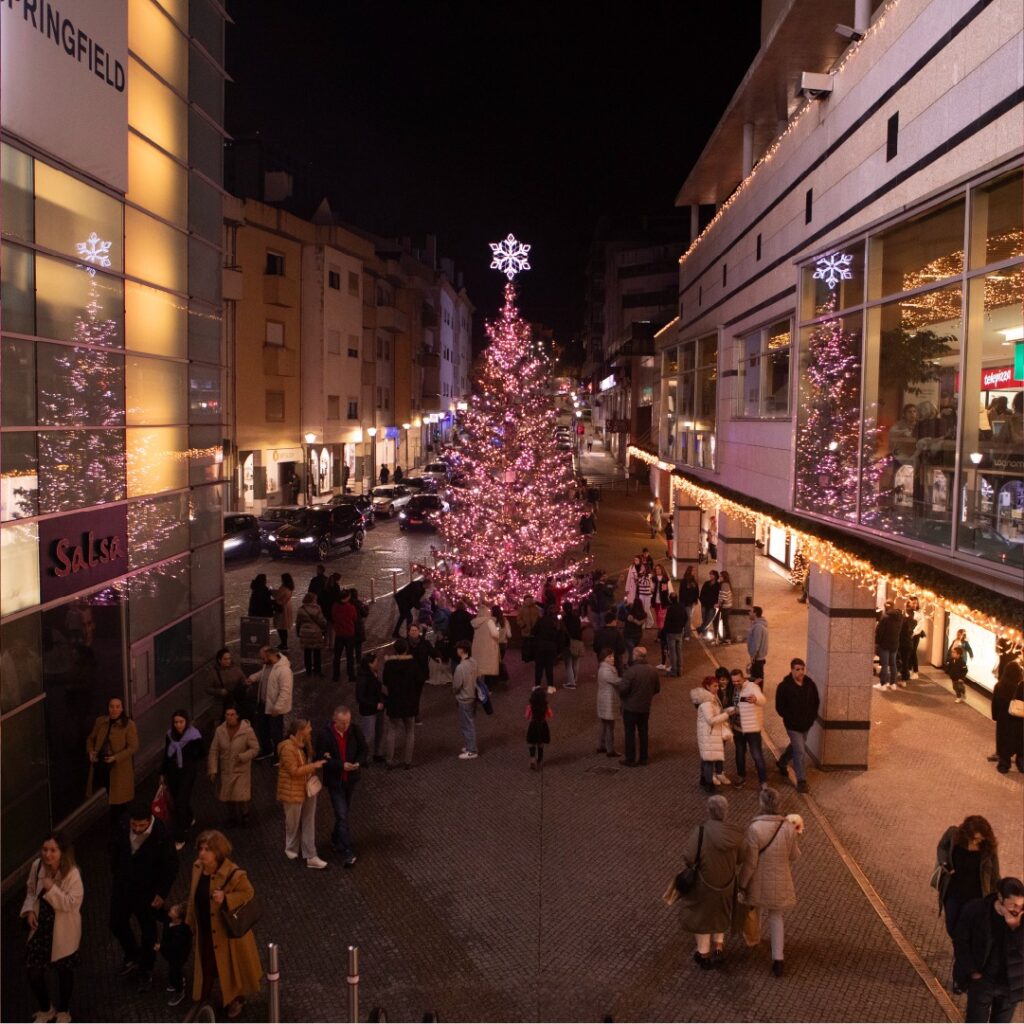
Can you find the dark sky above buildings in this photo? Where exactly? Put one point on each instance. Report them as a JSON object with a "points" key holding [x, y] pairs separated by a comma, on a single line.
{"points": [[471, 119]]}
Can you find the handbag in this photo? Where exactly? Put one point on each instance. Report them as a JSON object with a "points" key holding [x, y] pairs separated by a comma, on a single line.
{"points": [[100, 768], [162, 804], [575, 648], [313, 785], [240, 921], [483, 695], [1017, 708], [687, 878]]}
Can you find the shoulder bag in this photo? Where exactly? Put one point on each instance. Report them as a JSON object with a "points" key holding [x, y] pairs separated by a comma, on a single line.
{"points": [[240, 921], [687, 878], [313, 784]]}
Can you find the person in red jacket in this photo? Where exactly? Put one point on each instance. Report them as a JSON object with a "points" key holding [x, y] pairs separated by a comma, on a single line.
{"points": [[343, 617]]}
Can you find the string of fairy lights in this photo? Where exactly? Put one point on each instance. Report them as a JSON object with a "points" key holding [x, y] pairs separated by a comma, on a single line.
{"points": [[828, 555]]}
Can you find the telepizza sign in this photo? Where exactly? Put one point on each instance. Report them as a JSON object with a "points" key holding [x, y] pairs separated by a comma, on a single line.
{"points": [[996, 378]]}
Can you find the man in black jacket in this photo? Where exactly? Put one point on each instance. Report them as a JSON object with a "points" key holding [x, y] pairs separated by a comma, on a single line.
{"points": [[887, 640], [988, 953], [460, 627], [144, 866], [610, 637], [709, 592], [402, 701], [343, 748], [408, 600], [639, 685], [672, 634], [422, 650], [797, 701]]}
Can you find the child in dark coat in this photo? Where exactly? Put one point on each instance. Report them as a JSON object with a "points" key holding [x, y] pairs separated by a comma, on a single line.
{"points": [[537, 732], [175, 946]]}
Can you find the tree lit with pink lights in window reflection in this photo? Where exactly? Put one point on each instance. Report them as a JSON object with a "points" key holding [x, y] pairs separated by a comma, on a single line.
{"points": [[516, 521]]}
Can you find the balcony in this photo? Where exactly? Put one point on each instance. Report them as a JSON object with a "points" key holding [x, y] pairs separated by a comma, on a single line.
{"points": [[231, 283], [279, 361], [429, 360], [280, 291], [391, 319]]}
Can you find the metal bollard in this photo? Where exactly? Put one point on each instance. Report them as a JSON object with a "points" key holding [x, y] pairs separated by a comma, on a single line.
{"points": [[353, 984], [372, 597], [274, 984]]}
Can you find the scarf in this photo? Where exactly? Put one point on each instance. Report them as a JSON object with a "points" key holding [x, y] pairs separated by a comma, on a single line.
{"points": [[175, 747]]}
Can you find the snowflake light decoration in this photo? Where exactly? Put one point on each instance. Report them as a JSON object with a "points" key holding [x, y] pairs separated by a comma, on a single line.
{"points": [[510, 256], [94, 250], [833, 268]]}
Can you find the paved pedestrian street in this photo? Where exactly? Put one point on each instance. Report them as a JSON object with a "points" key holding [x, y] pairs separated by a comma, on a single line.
{"points": [[485, 891]]}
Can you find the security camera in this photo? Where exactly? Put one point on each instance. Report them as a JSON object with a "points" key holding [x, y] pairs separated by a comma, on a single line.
{"points": [[814, 85], [849, 33]]}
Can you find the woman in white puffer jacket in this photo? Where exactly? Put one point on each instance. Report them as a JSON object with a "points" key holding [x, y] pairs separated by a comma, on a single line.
{"points": [[711, 731]]}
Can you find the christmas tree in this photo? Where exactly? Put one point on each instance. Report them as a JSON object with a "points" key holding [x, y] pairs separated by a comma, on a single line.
{"points": [[516, 522]]}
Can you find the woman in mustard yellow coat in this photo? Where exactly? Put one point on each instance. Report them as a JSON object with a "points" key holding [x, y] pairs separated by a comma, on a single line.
{"points": [[233, 963]]}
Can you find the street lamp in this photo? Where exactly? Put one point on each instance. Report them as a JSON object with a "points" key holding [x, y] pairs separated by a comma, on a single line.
{"points": [[372, 432], [405, 427], [310, 439]]}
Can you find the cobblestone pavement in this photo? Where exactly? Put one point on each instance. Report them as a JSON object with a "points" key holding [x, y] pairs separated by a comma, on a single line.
{"points": [[485, 891]]}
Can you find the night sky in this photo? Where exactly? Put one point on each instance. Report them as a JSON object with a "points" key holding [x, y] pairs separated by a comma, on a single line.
{"points": [[473, 119]]}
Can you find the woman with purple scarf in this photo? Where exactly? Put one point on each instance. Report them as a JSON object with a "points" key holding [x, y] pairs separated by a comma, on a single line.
{"points": [[183, 752]]}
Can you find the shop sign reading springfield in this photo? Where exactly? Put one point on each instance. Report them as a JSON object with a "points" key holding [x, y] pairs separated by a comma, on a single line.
{"points": [[77, 552], [63, 81]]}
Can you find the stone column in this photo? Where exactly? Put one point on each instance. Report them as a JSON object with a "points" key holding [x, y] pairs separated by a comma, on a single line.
{"points": [[736, 555], [840, 649], [686, 545]]}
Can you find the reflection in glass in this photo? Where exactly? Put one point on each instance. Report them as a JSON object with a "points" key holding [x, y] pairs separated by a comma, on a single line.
{"points": [[19, 567], [207, 634], [19, 480], [24, 796], [997, 220], [828, 430], [18, 289], [172, 656], [832, 282], [21, 667], [910, 419], [74, 305], [157, 459], [206, 511], [79, 387], [78, 468], [158, 596], [17, 383], [157, 529], [992, 513], [16, 193]]}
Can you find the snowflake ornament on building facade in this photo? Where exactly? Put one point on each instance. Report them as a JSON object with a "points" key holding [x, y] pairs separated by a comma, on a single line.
{"points": [[833, 268], [94, 250], [510, 256]]}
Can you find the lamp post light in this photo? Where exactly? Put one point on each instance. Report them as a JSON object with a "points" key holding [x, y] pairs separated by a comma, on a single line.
{"points": [[418, 424], [406, 427], [372, 433], [310, 438]]}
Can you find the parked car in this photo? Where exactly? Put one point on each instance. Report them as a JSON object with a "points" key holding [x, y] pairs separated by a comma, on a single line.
{"points": [[318, 532], [421, 484], [271, 519], [241, 536], [991, 545], [436, 469], [425, 511], [390, 498], [361, 502]]}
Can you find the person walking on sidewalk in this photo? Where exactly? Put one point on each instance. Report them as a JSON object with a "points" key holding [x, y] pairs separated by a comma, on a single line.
{"points": [[538, 732], [910, 637], [669, 537], [611, 636], [757, 642], [1009, 726], [343, 751], [261, 598], [464, 690], [659, 599], [276, 684], [229, 764], [989, 953], [708, 601], [712, 722], [548, 638], [766, 878], [297, 794], [689, 597], [343, 619], [725, 605], [370, 699], [52, 910], [402, 688], [887, 641], [671, 634], [633, 630], [637, 688], [656, 515], [607, 702], [797, 702], [750, 701], [283, 609], [311, 627], [111, 748], [715, 851], [956, 669], [966, 867], [485, 648], [573, 626], [183, 753]]}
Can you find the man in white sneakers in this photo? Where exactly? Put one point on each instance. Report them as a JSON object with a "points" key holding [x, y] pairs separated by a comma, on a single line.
{"points": [[464, 688], [750, 700]]}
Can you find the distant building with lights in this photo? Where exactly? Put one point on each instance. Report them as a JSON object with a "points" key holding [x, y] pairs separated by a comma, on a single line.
{"points": [[111, 493], [848, 348]]}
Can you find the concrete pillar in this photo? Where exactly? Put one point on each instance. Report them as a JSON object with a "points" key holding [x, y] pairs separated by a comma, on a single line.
{"points": [[694, 220], [748, 148], [840, 648], [862, 16], [686, 546], [736, 555]]}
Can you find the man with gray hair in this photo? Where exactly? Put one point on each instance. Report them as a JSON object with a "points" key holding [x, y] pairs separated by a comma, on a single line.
{"points": [[637, 688], [343, 749]]}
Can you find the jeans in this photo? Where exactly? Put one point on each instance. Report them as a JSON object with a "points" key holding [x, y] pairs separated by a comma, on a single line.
{"points": [[707, 615], [757, 668], [312, 657], [300, 827], [348, 645], [275, 732], [724, 619], [987, 1001], [467, 723], [373, 730], [708, 771], [795, 751], [752, 740], [571, 668], [606, 735], [672, 647], [341, 801], [122, 910], [888, 671], [688, 620], [409, 725], [635, 724]]}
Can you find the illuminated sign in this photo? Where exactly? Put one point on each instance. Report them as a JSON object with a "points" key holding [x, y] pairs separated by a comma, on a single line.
{"points": [[833, 268], [997, 377], [510, 256], [78, 551], [607, 383]]}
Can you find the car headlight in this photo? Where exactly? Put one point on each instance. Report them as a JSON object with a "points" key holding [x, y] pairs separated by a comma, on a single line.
{"points": [[401, 515], [271, 537], [308, 540]]}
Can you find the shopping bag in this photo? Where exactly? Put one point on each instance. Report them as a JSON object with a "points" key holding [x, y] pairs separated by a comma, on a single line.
{"points": [[440, 673], [162, 804]]}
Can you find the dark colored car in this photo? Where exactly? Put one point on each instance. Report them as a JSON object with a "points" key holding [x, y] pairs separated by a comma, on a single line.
{"points": [[361, 502], [271, 519], [993, 546], [421, 484], [318, 532], [241, 536], [425, 511]]}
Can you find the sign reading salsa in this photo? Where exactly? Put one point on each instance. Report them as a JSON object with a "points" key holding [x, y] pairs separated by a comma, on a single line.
{"points": [[80, 550]]}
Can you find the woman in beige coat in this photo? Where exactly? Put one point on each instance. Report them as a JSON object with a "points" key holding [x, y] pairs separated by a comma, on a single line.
{"points": [[766, 878], [53, 912], [112, 746], [231, 755], [283, 614], [219, 884]]}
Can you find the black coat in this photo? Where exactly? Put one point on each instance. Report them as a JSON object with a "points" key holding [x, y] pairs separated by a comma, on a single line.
{"points": [[261, 601], [675, 618], [326, 747], [611, 637], [422, 651], [689, 594], [403, 684], [191, 758], [327, 598], [709, 593], [972, 946], [797, 705], [409, 596], [150, 872], [887, 633], [460, 627], [548, 636], [1009, 729], [369, 691]]}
